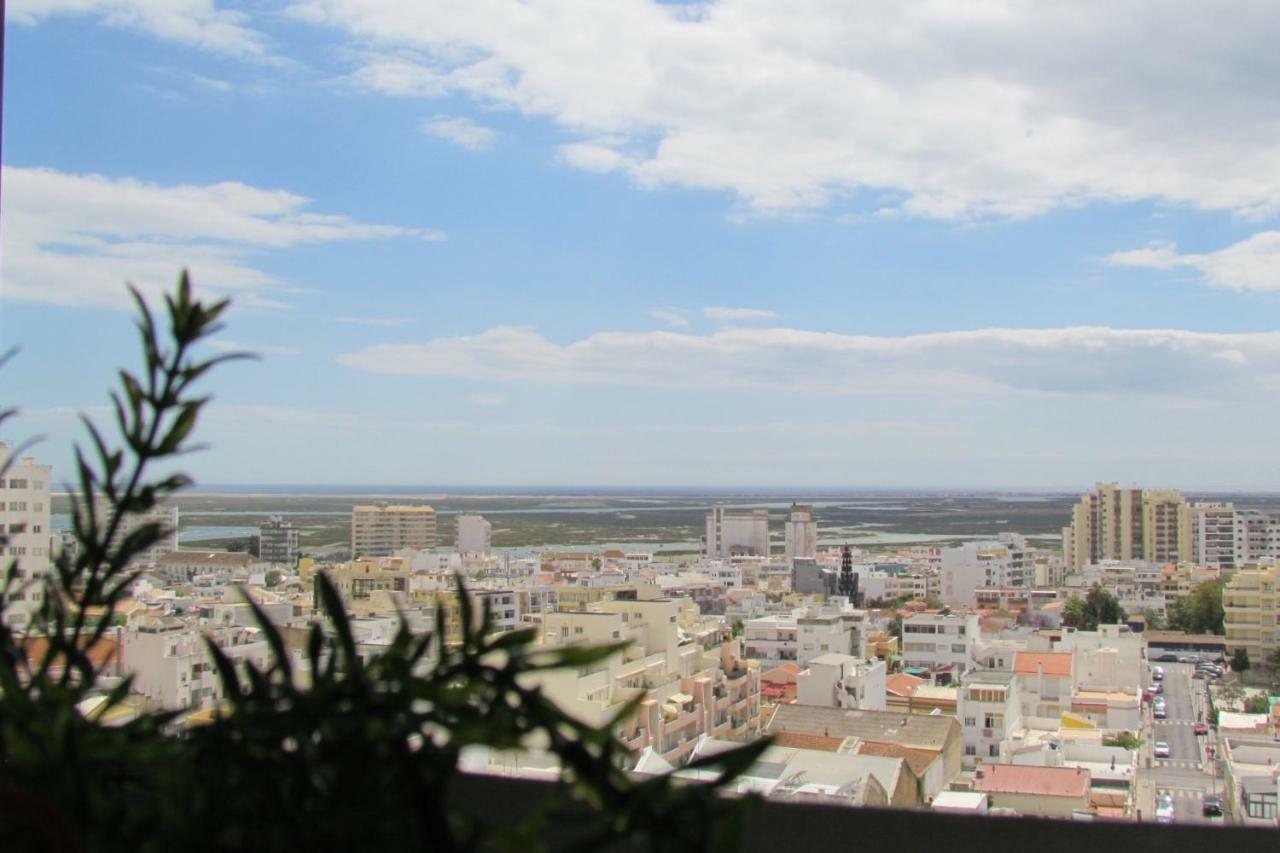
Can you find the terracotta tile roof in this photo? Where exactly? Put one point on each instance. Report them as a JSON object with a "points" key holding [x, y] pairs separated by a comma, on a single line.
{"points": [[783, 673], [100, 653], [1053, 663], [1036, 781], [902, 684]]}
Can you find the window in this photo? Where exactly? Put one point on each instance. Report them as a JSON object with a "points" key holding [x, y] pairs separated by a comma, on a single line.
{"points": [[17, 506], [994, 750], [970, 722], [17, 484], [970, 749]]}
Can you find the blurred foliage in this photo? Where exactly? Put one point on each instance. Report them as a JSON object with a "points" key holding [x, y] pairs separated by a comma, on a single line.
{"points": [[1201, 612], [327, 747]]}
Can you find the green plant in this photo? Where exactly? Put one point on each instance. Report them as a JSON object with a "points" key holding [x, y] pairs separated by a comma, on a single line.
{"points": [[1240, 660], [1257, 704], [332, 747]]}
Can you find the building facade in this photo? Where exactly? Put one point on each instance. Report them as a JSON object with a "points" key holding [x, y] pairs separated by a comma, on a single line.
{"points": [[801, 533], [474, 534], [1114, 523], [278, 541], [25, 520], [733, 532], [379, 529], [1252, 609]]}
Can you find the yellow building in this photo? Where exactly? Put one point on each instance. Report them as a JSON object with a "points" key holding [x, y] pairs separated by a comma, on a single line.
{"points": [[379, 529], [1111, 523], [1252, 608]]}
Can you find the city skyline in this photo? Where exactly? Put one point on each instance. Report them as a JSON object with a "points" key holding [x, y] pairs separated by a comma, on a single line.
{"points": [[464, 262]]}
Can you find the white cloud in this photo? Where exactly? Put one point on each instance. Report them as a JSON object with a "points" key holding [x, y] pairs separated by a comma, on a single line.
{"points": [[1078, 360], [461, 131], [670, 317], [1252, 264], [225, 346], [197, 23], [76, 239], [960, 108], [738, 315], [379, 322], [486, 400]]}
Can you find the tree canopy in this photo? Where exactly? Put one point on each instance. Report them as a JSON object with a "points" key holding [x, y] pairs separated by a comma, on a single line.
{"points": [[1199, 613], [1098, 607]]}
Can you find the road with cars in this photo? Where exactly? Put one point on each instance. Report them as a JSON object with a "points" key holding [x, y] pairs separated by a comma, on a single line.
{"points": [[1185, 774]]}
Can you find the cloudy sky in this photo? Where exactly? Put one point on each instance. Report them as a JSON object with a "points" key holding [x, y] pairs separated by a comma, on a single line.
{"points": [[953, 244]]}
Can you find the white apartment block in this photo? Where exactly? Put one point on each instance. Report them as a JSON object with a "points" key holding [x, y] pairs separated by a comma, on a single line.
{"points": [[474, 534], [379, 529], [989, 706], [936, 641], [732, 532], [171, 665], [25, 520], [884, 586], [805, 634], [164, 515], [842, 681], [1003, 563], [801, 532]]}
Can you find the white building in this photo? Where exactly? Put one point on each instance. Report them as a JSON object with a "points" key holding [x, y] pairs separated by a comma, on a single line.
{"points": [[171, 665], [164, 515], [990, 710], [379, 529], [24, 518], [733, 532], [937, 640], [474, 534], [805, 634], [1003, 563], [842, 681], [801, 532]]}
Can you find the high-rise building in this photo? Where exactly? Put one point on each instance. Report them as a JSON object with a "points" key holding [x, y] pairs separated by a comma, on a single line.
{"points": [[736, 532], [25, 519], [165, 515], [801, 533], [474, 534], [1252, 612], [1113, 523], [379, 529], [278, 541], [1213, 534]]}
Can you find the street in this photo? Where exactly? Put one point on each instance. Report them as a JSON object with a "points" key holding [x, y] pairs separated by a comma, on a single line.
{"points": [[1185, 774]]}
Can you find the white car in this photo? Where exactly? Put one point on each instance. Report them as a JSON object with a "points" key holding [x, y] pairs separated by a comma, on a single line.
{"points": [[1162, 749], [1164, 809]]}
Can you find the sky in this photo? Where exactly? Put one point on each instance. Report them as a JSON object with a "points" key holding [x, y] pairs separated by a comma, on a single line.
{"points": [[941, 244]]}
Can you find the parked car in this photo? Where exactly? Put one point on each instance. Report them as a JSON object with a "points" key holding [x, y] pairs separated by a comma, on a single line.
{"points": [[1201, 729], [1212, 806], [1188, 659], [1164, 809], [1156, 687], [1162, 749], [1157, 673], [1167, 657], [1160, 713]]}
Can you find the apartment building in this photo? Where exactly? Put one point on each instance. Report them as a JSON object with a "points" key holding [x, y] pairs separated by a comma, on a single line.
{"points": [[1252, 609], [25, 520], [474, 534], [1047, 682], [801, 532], [171, 665], [990, 711], [842, 681], [1003, 563], [690, 671], [940, 641], [804, 634], [732, 532], [278, 541], [379, 529], [1213, 532], [1114, 523], [164, 515]]}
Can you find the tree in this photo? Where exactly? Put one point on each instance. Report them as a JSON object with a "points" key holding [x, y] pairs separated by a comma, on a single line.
{"points": [[271, 579], [738, 627], [1240, 660], [1200, 612], [1155, 621], [286, 765], [1257, 705], [1098, 607]]}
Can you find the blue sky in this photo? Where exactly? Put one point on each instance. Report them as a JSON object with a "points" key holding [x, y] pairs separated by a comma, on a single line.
{"points": [[953, 244]]}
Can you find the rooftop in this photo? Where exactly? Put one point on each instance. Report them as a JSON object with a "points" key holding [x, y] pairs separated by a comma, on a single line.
{"points": [[912, 730], [1051, 663], [1037, 781]]}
